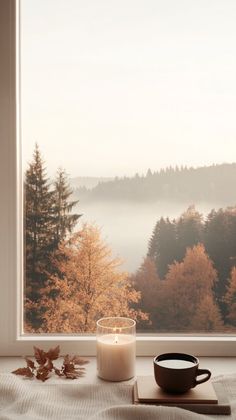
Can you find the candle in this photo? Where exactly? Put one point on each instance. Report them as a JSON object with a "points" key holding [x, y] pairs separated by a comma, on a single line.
{"points": [[116, 348]]}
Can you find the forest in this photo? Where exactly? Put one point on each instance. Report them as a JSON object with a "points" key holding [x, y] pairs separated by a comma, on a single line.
{"points": [[185, 283], [213, 183]]}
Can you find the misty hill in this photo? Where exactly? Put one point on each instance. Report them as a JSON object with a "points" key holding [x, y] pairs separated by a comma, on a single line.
{"points": [[87, 182], [208, 183]]}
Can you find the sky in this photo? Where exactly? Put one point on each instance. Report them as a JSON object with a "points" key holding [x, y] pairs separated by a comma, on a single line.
{"points": [[114, 87]]}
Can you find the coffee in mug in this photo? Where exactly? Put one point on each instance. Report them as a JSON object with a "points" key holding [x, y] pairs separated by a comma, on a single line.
{"points": [[178, 372]]}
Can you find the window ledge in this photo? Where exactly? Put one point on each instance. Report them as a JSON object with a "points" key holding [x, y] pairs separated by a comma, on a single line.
{"points": [[217, 365]]}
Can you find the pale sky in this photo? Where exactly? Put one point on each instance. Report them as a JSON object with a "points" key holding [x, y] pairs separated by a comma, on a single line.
{"points": [[114, 87]]}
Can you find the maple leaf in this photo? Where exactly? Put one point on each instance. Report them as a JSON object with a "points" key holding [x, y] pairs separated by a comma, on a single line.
{"points": [[40, 356], [49, 365], [45, 365], [30, 363], [53, 354], [26, 371]]}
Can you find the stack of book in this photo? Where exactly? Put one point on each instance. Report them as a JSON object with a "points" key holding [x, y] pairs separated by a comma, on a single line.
{"points": [[206, 398]]}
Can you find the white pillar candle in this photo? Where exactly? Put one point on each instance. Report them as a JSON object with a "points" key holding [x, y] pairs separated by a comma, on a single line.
{"points": [[116, 352]]}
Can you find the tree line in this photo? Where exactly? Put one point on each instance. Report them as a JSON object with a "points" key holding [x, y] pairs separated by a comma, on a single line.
{"points": [[188, 278], [186, 283], [213, 183]]}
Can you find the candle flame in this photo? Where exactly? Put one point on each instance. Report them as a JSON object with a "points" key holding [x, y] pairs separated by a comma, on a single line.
{"points": [[116, 338]]}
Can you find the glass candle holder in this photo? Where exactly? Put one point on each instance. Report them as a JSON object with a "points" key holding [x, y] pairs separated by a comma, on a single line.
{"points": [[116, 348]]}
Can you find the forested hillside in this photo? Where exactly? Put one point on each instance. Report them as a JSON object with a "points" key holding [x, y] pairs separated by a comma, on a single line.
{"points": [[207, 183]]}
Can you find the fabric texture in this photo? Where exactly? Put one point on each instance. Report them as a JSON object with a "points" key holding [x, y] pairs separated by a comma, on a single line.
{"points": [[25, 399]]}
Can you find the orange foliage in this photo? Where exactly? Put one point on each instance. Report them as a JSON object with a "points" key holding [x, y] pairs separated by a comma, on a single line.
{"points": [[147, 282], [230, 298], [186, 285], [207, 317], [87, 285]]}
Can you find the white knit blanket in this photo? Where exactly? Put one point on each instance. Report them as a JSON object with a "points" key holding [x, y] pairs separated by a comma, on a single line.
{"points": [[24, 399]]}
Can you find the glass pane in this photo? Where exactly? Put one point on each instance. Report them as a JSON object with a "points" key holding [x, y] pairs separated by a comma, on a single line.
{"points": [[128, 132]]}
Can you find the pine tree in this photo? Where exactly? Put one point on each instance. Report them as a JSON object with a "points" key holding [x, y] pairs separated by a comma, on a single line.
{"points": [[38, 205], [220, 234], [47, 222], [64, 221], [189, 229], [162, 245]]}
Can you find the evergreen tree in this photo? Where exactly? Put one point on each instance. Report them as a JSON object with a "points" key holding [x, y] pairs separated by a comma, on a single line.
{"points": [[189, 230], [47, 222], [162, 245], [220, 234], [38, 225], [64, 221]]}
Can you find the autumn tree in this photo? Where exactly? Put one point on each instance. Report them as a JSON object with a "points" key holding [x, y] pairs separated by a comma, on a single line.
{"points": [[187, 283], [207, 317], [147, 282], [230, 298], [90, 285]]}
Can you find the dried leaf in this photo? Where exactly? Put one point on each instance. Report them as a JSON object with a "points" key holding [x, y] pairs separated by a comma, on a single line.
{"points": [[73, 374], [45, 365], [26, 371], [49, 365], [40, 356], [42, 373], [53, 354], [69, 367], [79, 360], [67, 359], [30, 363]]}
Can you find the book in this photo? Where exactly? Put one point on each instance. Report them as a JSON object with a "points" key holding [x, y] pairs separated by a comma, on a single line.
{"points": [[215, 401]]}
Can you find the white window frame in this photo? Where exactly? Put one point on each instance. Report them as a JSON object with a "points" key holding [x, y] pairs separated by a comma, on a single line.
{"points": [[12, 341]]}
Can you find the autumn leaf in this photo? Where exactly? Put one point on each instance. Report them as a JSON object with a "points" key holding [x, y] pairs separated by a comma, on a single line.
{"points": [[26, 371], [45, 365], [49, 365], [79, 360], [42, 373], [73, 374], [53, 354], [40, 356], [30, 363]]}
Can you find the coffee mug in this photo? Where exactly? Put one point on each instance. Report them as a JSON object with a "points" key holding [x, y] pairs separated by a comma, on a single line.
{"points": [[178, 372]]}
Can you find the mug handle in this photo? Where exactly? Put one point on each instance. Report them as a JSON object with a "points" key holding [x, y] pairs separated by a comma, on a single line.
{"points": [[202, 372]]}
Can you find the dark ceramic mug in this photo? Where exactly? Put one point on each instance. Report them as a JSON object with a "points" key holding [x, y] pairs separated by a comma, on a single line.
{"points": [[178, 372]]}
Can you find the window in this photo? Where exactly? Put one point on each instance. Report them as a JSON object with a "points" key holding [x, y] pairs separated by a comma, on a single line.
{"points": [[11, 319]]}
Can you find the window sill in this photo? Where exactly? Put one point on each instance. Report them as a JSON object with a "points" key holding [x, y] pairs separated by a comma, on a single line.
{"points": [[217, 365]]}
